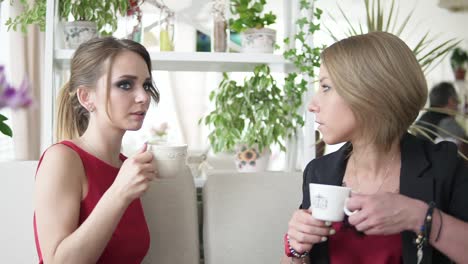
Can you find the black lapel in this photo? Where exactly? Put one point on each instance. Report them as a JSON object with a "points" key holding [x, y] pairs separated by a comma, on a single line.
{"points": [[334, 166], [416, 184]]}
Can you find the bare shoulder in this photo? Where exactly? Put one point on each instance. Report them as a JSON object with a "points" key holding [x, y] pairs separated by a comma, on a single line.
{"points": [[60, 165]]}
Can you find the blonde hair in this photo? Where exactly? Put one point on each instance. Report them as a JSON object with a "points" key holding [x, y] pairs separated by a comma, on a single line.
{"points": [[379, 77], [87, 66]]}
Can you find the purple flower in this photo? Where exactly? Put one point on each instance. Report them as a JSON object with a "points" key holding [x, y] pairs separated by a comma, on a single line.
{"points": [[11, 97]]}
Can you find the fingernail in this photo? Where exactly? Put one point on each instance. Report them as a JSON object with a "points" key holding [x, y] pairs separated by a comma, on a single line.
{"points": [[328, 223], [323, 239], [332, 231]]}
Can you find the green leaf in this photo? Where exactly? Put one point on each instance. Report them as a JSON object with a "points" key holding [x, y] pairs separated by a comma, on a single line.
{"points": [[4, 128], [302, 21], [304, 5]]}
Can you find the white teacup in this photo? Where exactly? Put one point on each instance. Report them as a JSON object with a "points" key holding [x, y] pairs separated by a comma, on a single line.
{"points": [[169, 160], [327, 202]]}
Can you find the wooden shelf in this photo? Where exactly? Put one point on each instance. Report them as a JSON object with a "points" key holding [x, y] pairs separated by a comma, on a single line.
{"points": [[201, 61]]}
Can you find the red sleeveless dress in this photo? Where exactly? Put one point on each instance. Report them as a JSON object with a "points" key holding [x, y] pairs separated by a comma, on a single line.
{"points": [[130, 241], [348, 246]]}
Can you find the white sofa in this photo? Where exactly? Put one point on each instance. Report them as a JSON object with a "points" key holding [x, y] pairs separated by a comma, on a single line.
{"points": [[171, 213], [245, 215], [170, 209], [16, 206]]}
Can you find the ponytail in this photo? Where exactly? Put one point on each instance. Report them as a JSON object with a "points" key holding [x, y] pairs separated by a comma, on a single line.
{"points": [[72, 117]]}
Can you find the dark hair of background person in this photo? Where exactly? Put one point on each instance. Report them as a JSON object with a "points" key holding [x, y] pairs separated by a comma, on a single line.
{"points": [[441, 93]]}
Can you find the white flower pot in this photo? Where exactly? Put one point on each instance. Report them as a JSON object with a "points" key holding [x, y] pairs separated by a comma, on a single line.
{"points": [[77, 32], [258, 40], [249, 159]]}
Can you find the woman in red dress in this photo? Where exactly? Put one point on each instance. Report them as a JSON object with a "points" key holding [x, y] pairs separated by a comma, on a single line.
{"points": [[87, 194]]}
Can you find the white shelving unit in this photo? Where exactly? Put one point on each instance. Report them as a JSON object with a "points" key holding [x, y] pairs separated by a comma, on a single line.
{"points": [[199, 61], [57, 61]]}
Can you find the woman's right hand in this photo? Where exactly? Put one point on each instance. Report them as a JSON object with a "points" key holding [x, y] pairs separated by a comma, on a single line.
{"points": [[134, 176], [304, 231]]}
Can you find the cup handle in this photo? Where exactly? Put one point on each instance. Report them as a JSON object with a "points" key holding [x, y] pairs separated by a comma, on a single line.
{"points": [[346, 210], [148, 147]]}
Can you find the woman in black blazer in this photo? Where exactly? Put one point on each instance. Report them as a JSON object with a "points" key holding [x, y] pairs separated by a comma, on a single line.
{"points": [[371, 90]]}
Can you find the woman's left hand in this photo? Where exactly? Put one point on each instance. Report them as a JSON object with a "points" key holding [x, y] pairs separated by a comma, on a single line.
{"points": [[386, 213]]}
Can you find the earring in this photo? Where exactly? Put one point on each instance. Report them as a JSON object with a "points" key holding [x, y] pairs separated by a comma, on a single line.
{"points": [[91, 108]]}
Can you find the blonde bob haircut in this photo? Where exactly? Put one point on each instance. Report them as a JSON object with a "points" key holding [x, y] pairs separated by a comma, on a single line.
{"points": [[382, 82]]}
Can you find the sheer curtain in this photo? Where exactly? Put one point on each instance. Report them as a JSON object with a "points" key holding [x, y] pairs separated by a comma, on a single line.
{"points": [[26, 57]]}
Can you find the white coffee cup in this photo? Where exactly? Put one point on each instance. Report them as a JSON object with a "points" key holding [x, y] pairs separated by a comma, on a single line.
{"points": [[168, 159], [327, 202]]}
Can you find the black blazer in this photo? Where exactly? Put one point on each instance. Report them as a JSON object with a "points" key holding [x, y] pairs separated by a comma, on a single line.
{"points": [[429, 172]]}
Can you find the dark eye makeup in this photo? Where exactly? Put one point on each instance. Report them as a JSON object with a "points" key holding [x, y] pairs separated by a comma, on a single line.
{"points": [[124, 84], [127, 84]]}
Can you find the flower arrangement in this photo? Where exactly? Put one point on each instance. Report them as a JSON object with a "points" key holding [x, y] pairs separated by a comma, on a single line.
{"points": [[13, 98], [158, 133]]}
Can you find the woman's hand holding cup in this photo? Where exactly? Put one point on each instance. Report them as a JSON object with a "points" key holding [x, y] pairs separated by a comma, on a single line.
{"points": [[304, 231], [385, 213], [134, 176]]}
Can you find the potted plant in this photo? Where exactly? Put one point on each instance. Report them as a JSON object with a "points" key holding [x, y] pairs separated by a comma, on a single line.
{"points": [[459, 63], [384, 16], [89, 16], [259, 112], [251, 24], [252, 116]]}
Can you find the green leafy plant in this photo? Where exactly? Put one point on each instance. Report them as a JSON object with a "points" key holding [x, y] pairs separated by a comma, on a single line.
{"points": [[428, 50], [32, 15], [256, 112], [260, 111], [305, 57], [103, 13], [459, 59], [249, 15]]}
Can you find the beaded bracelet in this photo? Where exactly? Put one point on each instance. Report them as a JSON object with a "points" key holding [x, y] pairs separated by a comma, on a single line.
{"points": [[422, 238], [291, 252]]}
